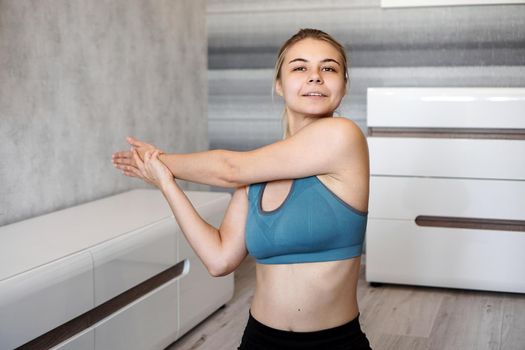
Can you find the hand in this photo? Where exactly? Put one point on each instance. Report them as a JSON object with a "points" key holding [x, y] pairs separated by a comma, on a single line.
{"points": [[125, 161], [152, 170]]}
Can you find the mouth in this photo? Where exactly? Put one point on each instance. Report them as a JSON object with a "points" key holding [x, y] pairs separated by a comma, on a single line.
{"points": [[315, 94]]}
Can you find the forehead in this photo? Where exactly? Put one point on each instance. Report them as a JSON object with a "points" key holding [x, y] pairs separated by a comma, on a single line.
{"points": [[312, 50]]}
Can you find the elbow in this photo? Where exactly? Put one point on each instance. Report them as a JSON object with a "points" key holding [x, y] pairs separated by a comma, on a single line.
{"points": [[218, 269], [215, 272], [218, 273], [231, 170]]}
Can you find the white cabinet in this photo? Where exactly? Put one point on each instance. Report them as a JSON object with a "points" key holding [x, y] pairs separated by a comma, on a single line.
{"points": [[114, 274], [36, 301], [447, 188]]}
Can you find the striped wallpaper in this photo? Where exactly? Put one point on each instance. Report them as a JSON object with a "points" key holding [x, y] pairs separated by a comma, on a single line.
{"points": [[455, 46]]}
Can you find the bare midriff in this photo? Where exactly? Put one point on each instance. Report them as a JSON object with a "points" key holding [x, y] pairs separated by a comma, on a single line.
{"points": [[306, 297]]}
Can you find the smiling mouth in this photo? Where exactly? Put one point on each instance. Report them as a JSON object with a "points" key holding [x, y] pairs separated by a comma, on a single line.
{"points": [[314, 94]]}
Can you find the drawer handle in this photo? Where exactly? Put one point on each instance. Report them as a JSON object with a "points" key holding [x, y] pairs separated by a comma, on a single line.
{"points": [[472, 223], [449, 133]]}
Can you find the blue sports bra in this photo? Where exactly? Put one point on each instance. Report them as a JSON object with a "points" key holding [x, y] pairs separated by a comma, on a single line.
{"points": [[312, 224]]}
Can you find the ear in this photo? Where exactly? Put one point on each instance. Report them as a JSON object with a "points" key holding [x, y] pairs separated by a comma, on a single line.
{"points": [[278, 87]]}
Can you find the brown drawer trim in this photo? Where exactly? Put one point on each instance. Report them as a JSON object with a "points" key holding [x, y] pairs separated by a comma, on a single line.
{"points": [[464, 133], [471, 223], [89, 318]]}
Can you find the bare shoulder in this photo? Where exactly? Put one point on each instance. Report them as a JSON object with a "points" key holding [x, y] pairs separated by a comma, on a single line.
{"points": [[345, 128], [347, 134], [339, 129], [351, 184]]}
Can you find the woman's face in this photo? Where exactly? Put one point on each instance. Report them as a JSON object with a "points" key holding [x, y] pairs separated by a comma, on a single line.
{"points": [[312, 79]]}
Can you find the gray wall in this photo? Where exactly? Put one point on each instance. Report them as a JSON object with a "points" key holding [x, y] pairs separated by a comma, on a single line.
{"points": [[76, 77], [458, 46]]}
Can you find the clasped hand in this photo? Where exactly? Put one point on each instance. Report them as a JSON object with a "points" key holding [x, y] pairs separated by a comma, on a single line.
{"points": [[142, 161]]}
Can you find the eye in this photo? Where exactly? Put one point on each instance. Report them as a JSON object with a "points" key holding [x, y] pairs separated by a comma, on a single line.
{"points": [[328, 69], [299, 69]]}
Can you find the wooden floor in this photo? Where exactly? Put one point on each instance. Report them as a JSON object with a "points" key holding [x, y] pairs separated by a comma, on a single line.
{"points": [[392, 316]]}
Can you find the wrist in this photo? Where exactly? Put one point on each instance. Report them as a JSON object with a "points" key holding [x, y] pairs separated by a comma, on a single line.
{"points": [[166, 159], [167, 185]]}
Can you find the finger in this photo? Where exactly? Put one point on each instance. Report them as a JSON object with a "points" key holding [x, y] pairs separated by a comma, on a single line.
{"points": [[147, 156], [127, 168], [134, 142], [142, 172], [121, 154], [155, 154], [138, 161], [124, 161], [132, 172]]}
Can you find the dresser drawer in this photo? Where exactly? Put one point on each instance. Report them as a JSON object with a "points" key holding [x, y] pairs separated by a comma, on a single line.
{"points": [[132, 258], [36, 301], [409, 197], [399, 251], [466, 158], [149, 323], [491, 108]]}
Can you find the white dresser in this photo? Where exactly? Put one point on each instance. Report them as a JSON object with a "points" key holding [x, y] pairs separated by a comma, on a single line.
{"points": [[116, 273], [447, 187]]}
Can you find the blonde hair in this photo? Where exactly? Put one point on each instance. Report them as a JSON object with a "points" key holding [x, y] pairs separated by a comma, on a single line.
{"points": [[301, 35]]}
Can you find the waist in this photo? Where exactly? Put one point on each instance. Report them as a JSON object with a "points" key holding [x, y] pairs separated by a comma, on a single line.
{"points": [[306, 296], [351, 327]]}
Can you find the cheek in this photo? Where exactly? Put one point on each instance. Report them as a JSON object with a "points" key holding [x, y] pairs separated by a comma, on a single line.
{"points": [[338, 87], [291, 86]]}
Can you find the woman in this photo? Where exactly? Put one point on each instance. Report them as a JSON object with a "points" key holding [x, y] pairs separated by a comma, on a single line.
{"points": [[300, 206]]}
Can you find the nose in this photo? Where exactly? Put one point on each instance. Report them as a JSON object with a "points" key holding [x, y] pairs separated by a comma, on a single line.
{"points": [[315, 78]]}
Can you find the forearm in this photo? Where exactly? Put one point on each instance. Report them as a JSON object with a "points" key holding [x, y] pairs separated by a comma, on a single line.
{"points": [[208, 167], [202, 237]]}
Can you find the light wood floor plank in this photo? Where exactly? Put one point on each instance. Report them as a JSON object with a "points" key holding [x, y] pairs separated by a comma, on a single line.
{"points": [[401, 310], [468, 320], [399, 342], [513, 327]]}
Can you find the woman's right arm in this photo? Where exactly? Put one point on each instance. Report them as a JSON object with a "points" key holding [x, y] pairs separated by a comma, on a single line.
{"points": [[221, 250]]}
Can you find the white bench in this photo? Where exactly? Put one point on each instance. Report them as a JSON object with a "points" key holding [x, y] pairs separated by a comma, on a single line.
{"points": [[116, 273]]}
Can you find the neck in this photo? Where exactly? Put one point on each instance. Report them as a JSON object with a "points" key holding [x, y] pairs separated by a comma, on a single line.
{"points": [[298, 121]]}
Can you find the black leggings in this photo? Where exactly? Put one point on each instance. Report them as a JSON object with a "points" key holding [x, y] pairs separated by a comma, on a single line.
{"points": [[258, 336]]}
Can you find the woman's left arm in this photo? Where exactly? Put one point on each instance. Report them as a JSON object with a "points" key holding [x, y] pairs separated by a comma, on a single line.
{"points": [[207, 167], [326, 146]]}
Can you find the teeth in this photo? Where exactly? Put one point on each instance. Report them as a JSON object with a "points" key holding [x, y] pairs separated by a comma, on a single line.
{"points": [[314, 94]]}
